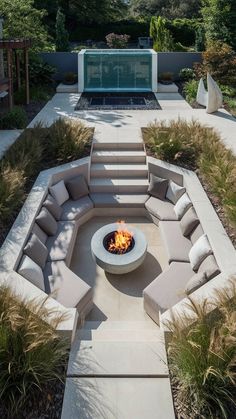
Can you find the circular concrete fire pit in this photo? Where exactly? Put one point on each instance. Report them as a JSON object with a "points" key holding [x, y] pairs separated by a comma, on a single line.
{"points": [[115, 261]]}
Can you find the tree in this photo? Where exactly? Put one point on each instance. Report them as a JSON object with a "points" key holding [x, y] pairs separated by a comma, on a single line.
{"points": [[200, 39], [162, 38], [62, 36], [166, 8], [219, 19], [23, 20], [98, 11]]}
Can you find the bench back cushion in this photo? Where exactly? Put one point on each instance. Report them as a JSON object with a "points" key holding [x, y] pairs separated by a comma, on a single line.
{"points": [[51, 204], [46, 222], [200, 250], [174, 192], [59, 192], [77, 187], [32, 272], [36, 250], [189, 221]]}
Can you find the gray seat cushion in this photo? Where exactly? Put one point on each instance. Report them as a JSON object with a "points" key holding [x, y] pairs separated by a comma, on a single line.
{"points": [[66, 287], [51, 204], [163, 210], [177, 246], [46, 222], [158, 186], [77, 187], [73, 210], [210, 267], [167, 289], [60, 245], [36, 250], [196, 233]]}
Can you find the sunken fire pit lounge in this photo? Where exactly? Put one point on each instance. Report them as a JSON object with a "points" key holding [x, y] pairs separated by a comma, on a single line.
{"points": [[41, 242]]}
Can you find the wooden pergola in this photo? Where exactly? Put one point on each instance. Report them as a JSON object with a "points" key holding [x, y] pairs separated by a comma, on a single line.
{"points": [[6, 84]]}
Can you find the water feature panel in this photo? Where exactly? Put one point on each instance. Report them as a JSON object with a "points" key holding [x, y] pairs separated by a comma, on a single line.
{"points": [[116, 70]]}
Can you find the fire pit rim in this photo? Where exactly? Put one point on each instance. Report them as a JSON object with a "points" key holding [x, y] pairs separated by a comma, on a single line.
{"points": [[111, 262]]}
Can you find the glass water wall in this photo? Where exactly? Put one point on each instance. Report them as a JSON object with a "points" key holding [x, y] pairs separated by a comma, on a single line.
{"points": [[117, 70]]}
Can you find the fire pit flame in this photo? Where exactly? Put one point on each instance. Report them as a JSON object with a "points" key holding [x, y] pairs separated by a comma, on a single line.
{"points": [[122, 239]]}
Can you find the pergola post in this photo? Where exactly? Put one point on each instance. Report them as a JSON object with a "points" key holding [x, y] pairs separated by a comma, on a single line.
{"points": [[26, 75], [10, 77], [17, 56]]}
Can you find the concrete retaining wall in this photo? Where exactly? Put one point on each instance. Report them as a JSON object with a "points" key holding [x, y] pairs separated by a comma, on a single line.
{"points": [[167, 61]]}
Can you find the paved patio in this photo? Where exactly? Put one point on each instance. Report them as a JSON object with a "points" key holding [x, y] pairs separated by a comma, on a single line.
{"points": [[118, 297], [173, 107]]}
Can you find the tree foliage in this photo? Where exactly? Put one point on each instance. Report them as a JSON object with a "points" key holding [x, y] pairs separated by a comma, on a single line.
{"points": [[23, 20], [162, 38], [166, 8], [62, 36], [219, 17]]}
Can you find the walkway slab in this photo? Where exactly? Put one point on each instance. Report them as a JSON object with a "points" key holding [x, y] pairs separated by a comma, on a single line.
{"points": [[119, 398], [114, 358]]}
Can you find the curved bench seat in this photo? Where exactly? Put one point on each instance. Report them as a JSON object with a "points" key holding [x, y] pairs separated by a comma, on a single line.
{"points": [[67, 287], [60, 246], [177, 245], [73, 210], [163, 210], [167, 289]]}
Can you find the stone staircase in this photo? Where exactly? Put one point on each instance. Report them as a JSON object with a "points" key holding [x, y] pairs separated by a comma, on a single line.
{"points": [[119, 172], [118, 369]]}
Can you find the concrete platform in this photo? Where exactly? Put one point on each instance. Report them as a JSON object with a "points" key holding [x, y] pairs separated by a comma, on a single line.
{"points": [[167, 88], [120, 398], [67, 88]]}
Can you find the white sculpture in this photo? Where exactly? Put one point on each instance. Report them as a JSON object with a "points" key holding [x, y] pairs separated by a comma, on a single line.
{"points": [[212, 97]]}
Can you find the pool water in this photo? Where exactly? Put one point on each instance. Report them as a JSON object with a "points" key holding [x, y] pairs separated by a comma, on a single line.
{"points": [[99, 101]]}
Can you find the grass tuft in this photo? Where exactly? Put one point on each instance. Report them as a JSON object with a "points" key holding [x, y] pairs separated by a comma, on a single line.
{"points": [[31, 352], [202, 357]]}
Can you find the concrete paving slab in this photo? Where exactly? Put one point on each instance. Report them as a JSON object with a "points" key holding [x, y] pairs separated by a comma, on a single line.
{"points": [[118, 358], [120, 398]]}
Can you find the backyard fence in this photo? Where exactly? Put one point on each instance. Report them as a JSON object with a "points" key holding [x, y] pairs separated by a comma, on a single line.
{"points": [[167, 61]]}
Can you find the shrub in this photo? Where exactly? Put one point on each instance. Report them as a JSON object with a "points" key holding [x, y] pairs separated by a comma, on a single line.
{"points": [[200, 148], [40, 73], [202, 357], [190, 90], [13, 119], [68, 139], [32, 354], [12, 192], [70, 77], [117, 41], [37, 93], [220, 61], [183, 30], [186, 74]]}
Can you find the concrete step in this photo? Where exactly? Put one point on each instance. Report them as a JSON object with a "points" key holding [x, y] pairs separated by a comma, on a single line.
{"points": [[118, 170], [119, 358], [118, 145], [114, 185], [121, 156], [120, 325], [117, 398], [110, 335], [110, 200]]}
